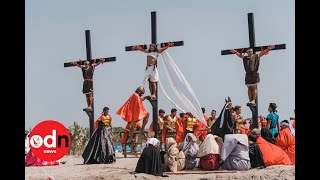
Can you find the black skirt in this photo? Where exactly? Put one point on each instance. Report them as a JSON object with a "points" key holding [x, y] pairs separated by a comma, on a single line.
{"points": [[253, 78], [100, 149]]}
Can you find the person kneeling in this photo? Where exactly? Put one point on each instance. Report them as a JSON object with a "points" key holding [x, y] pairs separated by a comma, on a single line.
{"points": [[174, 158]]}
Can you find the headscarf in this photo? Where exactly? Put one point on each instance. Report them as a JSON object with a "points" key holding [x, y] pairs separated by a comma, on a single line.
{"points": [[230, 142], [174, 159], [190, 147], [266, 134], [152, 141], [209, 146], [284, 124]]}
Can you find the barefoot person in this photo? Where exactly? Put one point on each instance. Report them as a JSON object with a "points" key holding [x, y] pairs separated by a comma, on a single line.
{"points": [[87, 73], [151, 72], [133, 111], [251, 66]]}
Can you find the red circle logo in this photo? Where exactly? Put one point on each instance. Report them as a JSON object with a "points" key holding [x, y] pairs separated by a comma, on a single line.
{"points": [[49, 140]]}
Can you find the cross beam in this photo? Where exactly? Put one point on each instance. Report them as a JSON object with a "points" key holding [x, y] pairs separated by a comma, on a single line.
{"points": [[89, 58], [252, 44], [154, 103]]}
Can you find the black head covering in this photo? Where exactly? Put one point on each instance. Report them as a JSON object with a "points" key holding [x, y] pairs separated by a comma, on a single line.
{"points": [[266, 134]]}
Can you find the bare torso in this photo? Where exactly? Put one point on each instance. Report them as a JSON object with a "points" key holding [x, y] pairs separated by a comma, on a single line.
{"points": [[151, 61]]}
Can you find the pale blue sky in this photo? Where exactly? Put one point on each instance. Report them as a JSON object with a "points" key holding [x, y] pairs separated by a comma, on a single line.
{"points": [[55, 34]]}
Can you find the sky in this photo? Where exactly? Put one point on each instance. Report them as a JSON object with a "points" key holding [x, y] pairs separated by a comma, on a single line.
{"points": [[55, 34]]}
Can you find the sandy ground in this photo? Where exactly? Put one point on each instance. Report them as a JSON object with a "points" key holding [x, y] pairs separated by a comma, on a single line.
{"points": [[74, 169]]}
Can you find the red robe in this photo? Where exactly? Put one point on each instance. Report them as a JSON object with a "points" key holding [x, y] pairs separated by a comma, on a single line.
{"points": [[133, 110], [180, 130], [99, 119], [124, 138], [287, 142], [272, 154], [202, 134]]}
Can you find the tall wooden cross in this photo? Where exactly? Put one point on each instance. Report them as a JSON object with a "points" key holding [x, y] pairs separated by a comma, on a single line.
{"points": [[89, 58], [154, 103], [252, 43]]}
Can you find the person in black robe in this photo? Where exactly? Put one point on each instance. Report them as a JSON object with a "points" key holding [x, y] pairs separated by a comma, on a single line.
{"points": [[99, 149], [150, 160], [225, 122], [266, 134], [256, 157]]}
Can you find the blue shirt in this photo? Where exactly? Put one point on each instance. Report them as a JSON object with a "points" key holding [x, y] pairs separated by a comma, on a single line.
{"points": [[274, 118]]}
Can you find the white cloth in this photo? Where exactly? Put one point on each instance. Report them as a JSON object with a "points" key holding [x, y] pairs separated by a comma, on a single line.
{"points": [[152, 141], [209, 146], [153, 54], [27, 146], [152, 73], [190, 148], [292, 130], [181, 87], [229, 144]]}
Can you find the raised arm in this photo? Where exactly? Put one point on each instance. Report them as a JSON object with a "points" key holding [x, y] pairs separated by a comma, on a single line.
{"points": [[265, 52], [102, 60], [76, 64], [165, 47], [237, 53], [139, 48]]}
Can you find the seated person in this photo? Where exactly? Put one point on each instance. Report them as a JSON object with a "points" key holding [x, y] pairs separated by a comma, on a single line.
{"points": [[209, 152], [150, 161], [272, 154], [266, 134], [174, 158], [190, 149], [256, 157], [235, 152], [286, 139]]}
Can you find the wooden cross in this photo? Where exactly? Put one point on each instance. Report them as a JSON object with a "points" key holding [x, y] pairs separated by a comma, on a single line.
{"points": [[154, 102], [89, 58], [252, 43]]}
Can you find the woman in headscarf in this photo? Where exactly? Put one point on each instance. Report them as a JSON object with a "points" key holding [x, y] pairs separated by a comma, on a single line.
{"points": [[174, 158], [286, 139], [273, 120], [150, 161], [266, 134], [235, 152], [100, 149], [209, 152], [190, 149], [255, 154]]}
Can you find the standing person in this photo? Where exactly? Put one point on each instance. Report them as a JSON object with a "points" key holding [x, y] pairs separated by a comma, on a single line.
{"points": [[191, 124], [180, 128], [170, 125], [160, 123], [151, 72], [203, 129], [87, 73], [251, 66], [212, 119], [225, 122], [273, 123], [133, 111], [99, 149], [240, 123]]}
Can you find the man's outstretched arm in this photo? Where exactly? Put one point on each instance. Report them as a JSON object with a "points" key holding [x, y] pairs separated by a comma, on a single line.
{"points": [[265, 52], [237, 53], [76, 64], [166, 47], [102, 60]]}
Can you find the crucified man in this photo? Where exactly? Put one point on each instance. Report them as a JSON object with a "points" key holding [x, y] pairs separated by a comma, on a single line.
{"points": [[151, 72], [87, 73], [251, 66]]}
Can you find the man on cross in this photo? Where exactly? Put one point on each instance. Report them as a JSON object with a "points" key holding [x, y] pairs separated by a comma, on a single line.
{"points": [[87, 73], [251, 66], [151, 72]]}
